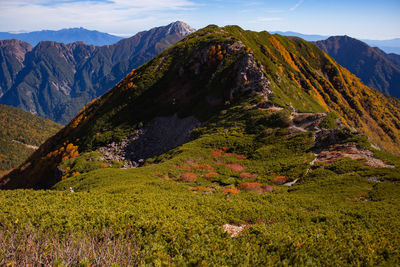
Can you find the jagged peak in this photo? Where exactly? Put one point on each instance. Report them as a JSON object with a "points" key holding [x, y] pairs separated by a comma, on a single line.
{"points": [[181, 27]]}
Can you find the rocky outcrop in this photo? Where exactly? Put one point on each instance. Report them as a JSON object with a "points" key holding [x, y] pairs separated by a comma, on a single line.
{"points": [[157, 137]]}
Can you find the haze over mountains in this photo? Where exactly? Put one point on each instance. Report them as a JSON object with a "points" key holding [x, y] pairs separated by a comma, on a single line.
{"points": [[55, 80], [65, 36], [389, 46]]}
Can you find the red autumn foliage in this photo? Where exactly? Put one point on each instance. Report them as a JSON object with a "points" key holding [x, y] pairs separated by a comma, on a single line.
{"points": [[255, 187], [246, 175], [280, 180], [203, 166], [237, 167], [217, 152], [184, 167], [241, 156], [211, 175], [188, 177]]}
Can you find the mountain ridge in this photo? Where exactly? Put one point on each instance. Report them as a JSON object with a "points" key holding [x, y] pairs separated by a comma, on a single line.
{"points": [[388, 46], [373, 66], [56, 80], [219, 68], [68, 35]]}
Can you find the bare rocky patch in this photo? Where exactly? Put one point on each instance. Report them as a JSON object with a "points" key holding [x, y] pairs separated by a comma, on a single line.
{"points": [[350, 151]]}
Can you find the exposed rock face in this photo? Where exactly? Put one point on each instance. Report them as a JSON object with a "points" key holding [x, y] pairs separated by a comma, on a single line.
{"points": [[250, 77], [161, 135], [306, 122], [157, 137], [12, 56]]}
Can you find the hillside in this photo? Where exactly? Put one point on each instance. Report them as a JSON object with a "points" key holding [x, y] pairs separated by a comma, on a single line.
{"points": [[215, 66], [20, 134], [230, 148], [373, 66], [55, 80], [65, 36]]}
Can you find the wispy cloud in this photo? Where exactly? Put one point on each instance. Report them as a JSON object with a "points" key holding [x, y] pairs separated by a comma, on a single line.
{"points": [[296, 5], [261, 19], [105, 15]]}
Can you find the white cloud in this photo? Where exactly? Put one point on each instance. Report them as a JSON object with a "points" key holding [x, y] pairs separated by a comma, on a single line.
{"points": [[296, 5], [118, 16]]}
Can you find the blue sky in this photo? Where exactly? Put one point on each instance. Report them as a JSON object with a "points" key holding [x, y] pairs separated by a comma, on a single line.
{"points": [[379, 19]]}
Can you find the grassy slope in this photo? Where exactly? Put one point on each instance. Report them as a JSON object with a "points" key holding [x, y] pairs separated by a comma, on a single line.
{"points": [[334, 216], [23, 127]]}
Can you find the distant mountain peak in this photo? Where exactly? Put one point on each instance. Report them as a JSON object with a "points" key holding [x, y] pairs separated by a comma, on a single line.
{"points": [[372, 65], [181, 28]]}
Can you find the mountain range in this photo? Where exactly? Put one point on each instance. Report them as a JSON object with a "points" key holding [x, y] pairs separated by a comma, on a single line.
{"points": [[156, 107], [373, 66], [389, 46], [65, 36], [55, 80]]}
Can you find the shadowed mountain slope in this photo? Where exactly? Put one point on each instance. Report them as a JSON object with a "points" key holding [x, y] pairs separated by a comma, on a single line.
{"points": [[55, 80]]}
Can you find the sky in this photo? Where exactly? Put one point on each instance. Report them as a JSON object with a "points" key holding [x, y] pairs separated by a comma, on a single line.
{"points": [[364, 19]]}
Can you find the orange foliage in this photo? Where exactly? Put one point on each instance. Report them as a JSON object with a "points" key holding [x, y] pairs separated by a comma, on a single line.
{"points": [[285, 54], [104, 165], [212, 51], [75, 122], [237, 167], [63, 153], [200, 189], [231, 191], [188, 177], [211, 175]]}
